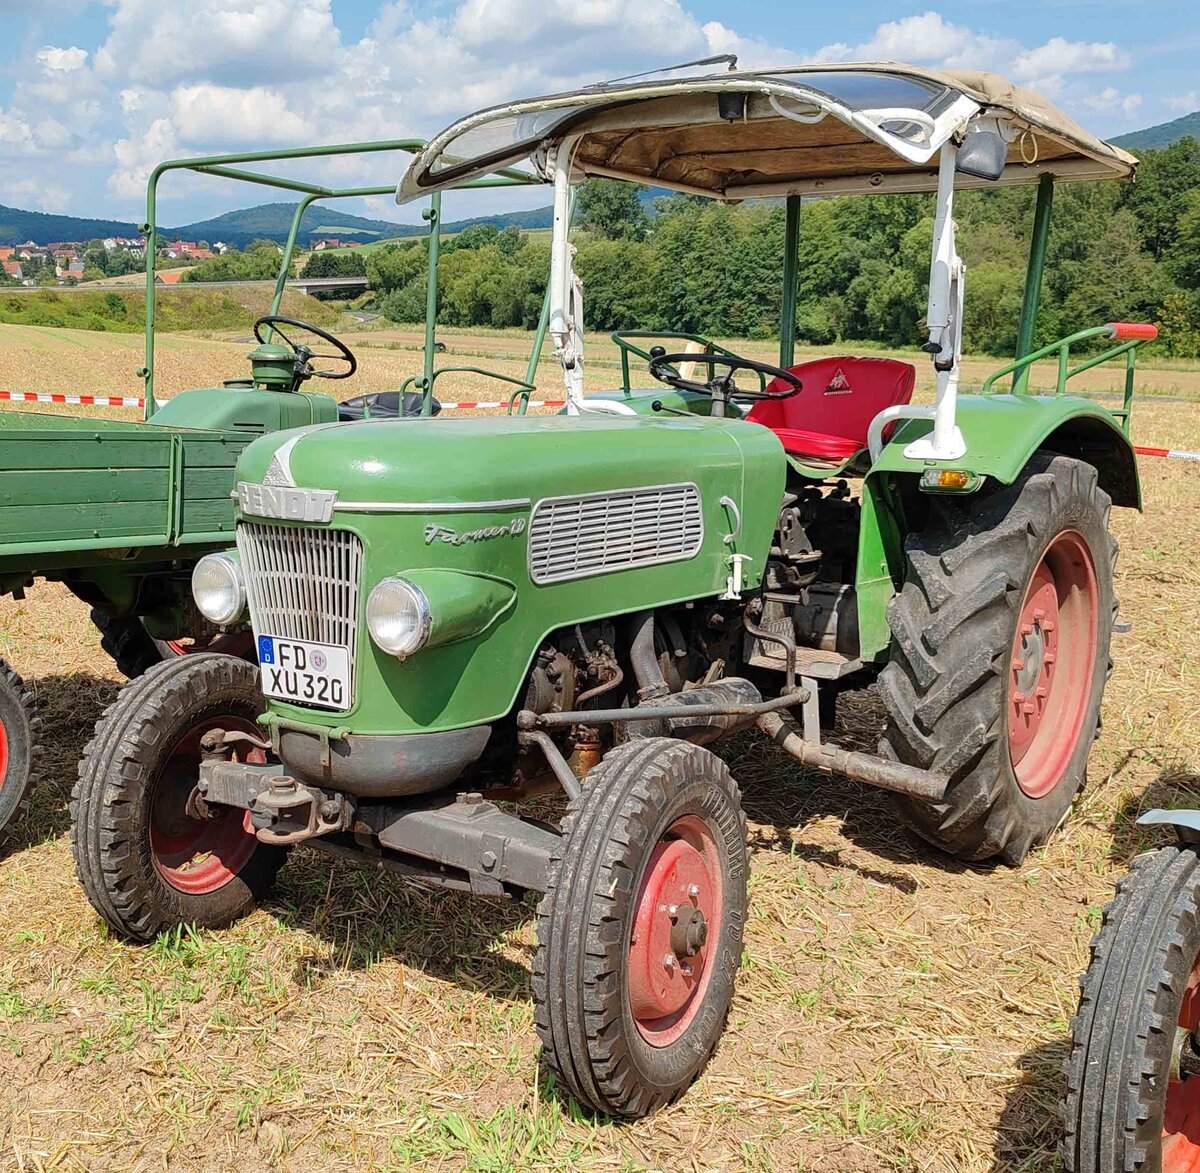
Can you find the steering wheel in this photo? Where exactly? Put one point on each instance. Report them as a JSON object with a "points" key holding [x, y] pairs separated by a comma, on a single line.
{"points": [[303, 353], [662, 367]]}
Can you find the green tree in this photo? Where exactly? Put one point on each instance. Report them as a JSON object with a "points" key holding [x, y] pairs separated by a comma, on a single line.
{"points": [[612, 209], [473, 236]]}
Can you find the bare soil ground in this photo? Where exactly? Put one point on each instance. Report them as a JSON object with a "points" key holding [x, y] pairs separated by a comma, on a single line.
{"points": [[895, 1010]]}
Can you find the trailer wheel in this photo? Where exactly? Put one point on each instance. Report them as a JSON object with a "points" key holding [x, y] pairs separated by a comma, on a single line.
{"points": [[640, 929], [18, 736], [999, 657], [1133, 1076], [144, 861], [134, 650]]}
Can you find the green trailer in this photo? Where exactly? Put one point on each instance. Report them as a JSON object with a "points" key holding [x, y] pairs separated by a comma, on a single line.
{"points": [[120, 512], [451, 616]]}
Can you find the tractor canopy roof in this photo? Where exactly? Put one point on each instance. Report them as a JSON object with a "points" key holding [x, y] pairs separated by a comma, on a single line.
{"points": [[811, 131]]}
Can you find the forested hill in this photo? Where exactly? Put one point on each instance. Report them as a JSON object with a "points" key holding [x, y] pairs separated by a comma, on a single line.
{"points": [[1116, 251], [1163, 135]]}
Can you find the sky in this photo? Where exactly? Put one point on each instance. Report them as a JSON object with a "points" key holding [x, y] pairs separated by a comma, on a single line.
{"points": [[94, 93]]}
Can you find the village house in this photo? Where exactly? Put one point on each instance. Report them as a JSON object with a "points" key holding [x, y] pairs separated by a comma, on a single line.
{"points": [[13, 269]]}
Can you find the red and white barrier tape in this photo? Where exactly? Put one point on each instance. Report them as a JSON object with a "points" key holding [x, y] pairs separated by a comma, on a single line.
{"points": [[478, 405], [133, 401], [489, 405], [76, 400], [1171, 453]]}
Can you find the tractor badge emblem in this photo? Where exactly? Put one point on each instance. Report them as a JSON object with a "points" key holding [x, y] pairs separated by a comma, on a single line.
{"points": [[443, 533], [839, 384]]}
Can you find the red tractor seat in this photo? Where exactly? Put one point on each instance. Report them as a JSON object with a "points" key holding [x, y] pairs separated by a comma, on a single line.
{"points": [[828, 420]]}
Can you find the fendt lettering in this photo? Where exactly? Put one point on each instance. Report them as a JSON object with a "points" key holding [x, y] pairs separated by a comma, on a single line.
{"points": [[286, 504]]}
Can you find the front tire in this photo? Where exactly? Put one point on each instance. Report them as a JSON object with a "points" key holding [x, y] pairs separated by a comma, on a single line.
{"points": [[640, 929], [1125, 1107], [999, 657], [18, 737], [145, 863]]}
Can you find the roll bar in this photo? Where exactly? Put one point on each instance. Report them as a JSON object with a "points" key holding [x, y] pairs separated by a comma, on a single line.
{"points": [[230, 167]]}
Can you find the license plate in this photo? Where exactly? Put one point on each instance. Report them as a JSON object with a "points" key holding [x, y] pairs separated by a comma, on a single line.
{"points": [[309, 674]]}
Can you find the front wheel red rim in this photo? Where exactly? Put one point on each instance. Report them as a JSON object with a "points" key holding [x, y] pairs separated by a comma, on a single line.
{"points": [[1052, 663], [198, 856], [1181, 1116], [3, 754], [675, 932]]}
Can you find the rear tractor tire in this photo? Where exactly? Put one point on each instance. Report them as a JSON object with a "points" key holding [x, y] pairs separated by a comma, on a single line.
{"points": [[640, 929], [999, 657], [1133, 1075], [18, 737], [145, 862]]}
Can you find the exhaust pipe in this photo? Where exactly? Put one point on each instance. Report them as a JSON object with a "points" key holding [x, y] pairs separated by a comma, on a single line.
{"points": [[830, 759]]}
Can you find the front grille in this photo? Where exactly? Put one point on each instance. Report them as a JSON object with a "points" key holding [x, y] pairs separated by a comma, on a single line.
{"points": [[598, 533], [302, 584]]}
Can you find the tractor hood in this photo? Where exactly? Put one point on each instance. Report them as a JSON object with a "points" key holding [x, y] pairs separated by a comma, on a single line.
{"points": [[535, 522], [405, 466]]}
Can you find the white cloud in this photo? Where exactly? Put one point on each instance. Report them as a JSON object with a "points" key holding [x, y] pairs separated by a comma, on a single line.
{"points": [[926, 39], [207, 114], [1111, 99], [1048, 66], [131, 101], [35, 194], [55, 60], [639, 25], [136, 157], [1185, 102], [219, 40], [14, 130]]}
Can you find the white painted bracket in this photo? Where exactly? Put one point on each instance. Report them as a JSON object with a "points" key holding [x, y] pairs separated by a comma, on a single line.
{"points": [[733, 584]]}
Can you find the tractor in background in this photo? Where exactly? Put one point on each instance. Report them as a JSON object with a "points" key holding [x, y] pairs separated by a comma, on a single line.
{"points": [[121, 512]]}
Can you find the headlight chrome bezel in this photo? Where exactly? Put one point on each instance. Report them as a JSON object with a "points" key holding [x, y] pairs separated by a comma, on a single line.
{"points": [[416, 598], [232, 567]]}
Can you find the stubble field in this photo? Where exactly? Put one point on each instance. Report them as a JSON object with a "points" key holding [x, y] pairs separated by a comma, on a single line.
{"points": [[895, 1010]]}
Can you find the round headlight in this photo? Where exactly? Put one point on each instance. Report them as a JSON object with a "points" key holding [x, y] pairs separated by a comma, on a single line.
{"points": [[398, 617], [218, 589]]}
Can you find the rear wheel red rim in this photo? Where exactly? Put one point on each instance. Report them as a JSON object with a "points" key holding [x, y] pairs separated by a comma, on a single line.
{"points": [[198, 856], [676, 928], [3, 754], [1052, 663], [1181, 1116]]}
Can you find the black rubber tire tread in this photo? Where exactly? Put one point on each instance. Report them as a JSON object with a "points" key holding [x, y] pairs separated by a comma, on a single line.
{"points": [[581, 1006], [953, 625], [18, 711], [110, 803], [1123, 1035], [132, 648]]}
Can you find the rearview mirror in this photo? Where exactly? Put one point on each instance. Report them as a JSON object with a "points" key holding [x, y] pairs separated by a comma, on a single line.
{"points": [[983, 154]]}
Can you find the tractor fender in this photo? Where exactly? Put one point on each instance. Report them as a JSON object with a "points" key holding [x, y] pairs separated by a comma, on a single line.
{"points": [[1185, 822], [1003, 431]]}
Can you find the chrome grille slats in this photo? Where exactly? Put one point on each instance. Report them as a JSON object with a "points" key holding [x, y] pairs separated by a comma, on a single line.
{"points": [[303, 584], [598, 533]]}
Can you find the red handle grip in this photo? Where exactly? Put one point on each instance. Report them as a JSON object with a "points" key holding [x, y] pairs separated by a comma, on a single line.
{"points": [[1128, 331]]}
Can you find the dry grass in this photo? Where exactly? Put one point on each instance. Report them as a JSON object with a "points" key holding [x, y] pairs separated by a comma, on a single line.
{"points": [[895, 1010]]}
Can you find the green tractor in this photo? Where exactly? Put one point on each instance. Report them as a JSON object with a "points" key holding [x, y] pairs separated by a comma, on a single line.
{"points": [[452, 617], [121, 512]]}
